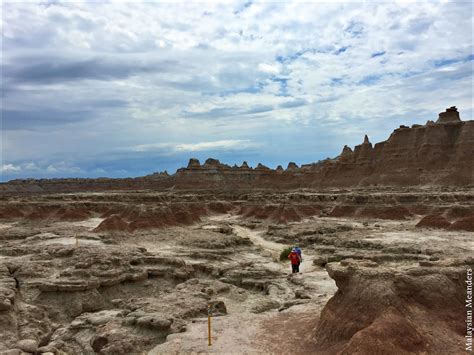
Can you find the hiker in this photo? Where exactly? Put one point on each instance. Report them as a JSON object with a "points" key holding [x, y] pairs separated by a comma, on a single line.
{"points": [[295, 261], [298, 251]]}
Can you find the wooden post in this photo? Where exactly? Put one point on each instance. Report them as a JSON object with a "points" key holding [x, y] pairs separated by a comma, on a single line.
{"points": [[209, 338]]}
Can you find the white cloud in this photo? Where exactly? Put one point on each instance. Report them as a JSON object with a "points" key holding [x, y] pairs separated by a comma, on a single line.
{"points": [[269, 68], [230, 144], [63, 167], [217, 145], [31, 167], [227, 75], [51, 169], [10, 168]]}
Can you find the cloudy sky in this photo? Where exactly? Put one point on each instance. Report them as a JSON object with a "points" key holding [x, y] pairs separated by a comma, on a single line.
{"points": [[126, 89]]}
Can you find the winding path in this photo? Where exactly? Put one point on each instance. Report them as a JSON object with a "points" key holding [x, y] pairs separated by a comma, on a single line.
{"points": [[250, 333]]}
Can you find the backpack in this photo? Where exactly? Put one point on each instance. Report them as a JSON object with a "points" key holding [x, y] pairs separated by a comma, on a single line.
{"points": [[298, 251]]}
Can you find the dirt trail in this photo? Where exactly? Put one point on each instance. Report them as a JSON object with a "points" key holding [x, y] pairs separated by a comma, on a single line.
{"points": [[256, 238], [274, 248], [244, 332], [88, 224], [231, 334]]}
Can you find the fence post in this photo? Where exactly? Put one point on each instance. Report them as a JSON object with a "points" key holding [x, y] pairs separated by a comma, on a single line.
{"points": [[209, 337]]}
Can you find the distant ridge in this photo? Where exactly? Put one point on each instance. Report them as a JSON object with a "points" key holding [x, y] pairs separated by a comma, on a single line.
{"points": [[438, 153]]}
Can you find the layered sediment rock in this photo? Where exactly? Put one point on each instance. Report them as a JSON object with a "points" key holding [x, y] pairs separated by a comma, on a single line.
{"points": [[450, 115], [94, 299], [452, 210], [112, 223], [433, 154], [383, 310]]}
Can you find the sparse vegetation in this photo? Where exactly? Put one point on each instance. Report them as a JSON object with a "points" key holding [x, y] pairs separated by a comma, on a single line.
{"points": [[284, 253]]}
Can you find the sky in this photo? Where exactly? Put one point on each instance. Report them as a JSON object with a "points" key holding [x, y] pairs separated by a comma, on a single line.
{"points": [[123, 89]]}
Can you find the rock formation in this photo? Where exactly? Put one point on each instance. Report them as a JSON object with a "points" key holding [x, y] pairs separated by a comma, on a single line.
{"points": [[292, 167], [193, 163], [437, 154], [346, 154], [260, 166], [114, 223], [395, 312], [450, 115]]}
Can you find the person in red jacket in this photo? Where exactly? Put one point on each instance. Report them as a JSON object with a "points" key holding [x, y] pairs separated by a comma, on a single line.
{"points": [[295, 261]]}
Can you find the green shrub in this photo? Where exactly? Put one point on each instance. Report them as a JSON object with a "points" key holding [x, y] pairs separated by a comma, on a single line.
{"points": [[284, 253], [335, 258]]}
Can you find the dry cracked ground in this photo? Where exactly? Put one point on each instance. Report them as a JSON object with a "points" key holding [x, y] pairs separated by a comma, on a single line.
{"points": [[136, 272]]}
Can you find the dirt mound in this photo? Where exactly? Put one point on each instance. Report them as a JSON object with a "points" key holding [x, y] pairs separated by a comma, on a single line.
{"points": [[464, 224], [417, 310], [164, 216], [422, 210], [10, 212], [384, 212], [280, 214], [309, 210], [109, 212], [220, 207], [285, 214], [381, 212], [47, 211], [434, 221], [35, 212], [157, 215], [72, 214], [343, 211], [197, 210], [459, 212], [258, 212], [144, 223], [184, 215], [112, 223]]}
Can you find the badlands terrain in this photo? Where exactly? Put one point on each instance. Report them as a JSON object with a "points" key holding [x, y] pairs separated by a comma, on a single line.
{"points": [[133, 266]]}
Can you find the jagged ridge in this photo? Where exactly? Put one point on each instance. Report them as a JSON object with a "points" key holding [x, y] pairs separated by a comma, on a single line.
{"points": [[437, 153]]}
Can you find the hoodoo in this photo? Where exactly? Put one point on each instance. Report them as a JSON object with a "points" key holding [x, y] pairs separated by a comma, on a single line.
{"points": [[437, 154], [346, 154], [194, 163], [292, 166], [450, 115]]}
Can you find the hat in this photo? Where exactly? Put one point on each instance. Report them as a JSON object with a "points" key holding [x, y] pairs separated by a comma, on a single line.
{"points": [[293, 249]]}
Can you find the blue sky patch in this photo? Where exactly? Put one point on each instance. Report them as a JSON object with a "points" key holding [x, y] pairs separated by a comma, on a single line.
{"points": [[378, 54]]}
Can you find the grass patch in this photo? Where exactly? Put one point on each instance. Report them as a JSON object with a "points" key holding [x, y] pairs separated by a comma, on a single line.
{"points": [[284, 253]]}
